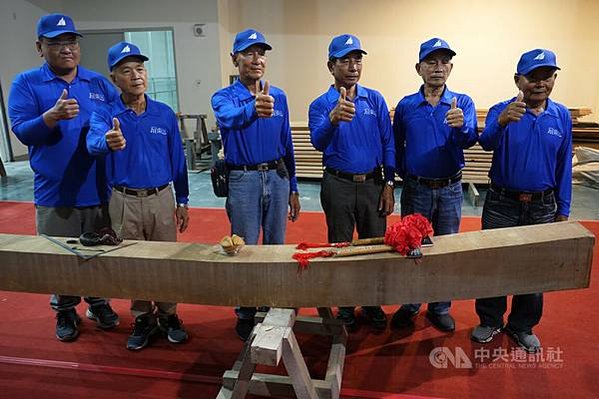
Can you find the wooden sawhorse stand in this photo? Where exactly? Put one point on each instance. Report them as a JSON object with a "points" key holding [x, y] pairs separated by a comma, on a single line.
{"points": [[274, 338]]}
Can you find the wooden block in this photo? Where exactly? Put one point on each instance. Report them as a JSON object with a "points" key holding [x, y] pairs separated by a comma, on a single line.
{"points": [[517, 260], [275, 385], [267, 347]]}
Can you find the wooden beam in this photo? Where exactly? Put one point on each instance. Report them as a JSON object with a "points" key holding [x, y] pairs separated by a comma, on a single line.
{"points": [[460, 266], [473, 194]]}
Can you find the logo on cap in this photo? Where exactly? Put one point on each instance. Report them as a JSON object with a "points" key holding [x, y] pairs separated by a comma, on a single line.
{"points": [[349, 41], [540, 57], [253, 36], [61, 22], [126, 49], [438, 43]]}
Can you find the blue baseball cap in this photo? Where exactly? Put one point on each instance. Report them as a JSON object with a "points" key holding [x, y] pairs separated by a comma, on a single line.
{"points": [[431, 45], [343, 44], [534, 59], [53, 25], [248, 38], [122, 50]]}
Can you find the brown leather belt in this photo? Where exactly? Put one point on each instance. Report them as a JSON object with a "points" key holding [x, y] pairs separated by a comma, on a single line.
{"points": [[436, 183], [521, 196], [356, 178], [140, 192]]}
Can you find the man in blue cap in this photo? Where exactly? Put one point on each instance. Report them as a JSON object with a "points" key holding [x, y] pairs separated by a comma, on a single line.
{"points": [[531, 181], [49, 108], [432, 127], [141, 140], [254, 124], [350, 125]]}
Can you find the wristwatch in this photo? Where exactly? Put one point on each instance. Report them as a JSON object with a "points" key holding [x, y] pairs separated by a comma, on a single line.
{"points": [[182, 206], [390, 183]]}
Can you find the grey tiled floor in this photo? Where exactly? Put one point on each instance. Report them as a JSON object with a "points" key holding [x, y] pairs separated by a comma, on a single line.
{"points": [[18, 186]]}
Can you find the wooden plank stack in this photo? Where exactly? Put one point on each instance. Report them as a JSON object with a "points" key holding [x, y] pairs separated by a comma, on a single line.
{"points": [[478, 161]]}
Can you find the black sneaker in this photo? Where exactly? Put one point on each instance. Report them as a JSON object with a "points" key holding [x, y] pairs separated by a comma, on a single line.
{"points": [[348, 317], [443, 322], [375, 316], [527, 341], [67, 322], [484, 334], [144, 329], [173, 328], [244, 328], [103, 315], [403, 318]]}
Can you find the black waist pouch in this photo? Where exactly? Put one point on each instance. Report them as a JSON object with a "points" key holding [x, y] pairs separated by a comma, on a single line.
{"points": [[220, 178]]}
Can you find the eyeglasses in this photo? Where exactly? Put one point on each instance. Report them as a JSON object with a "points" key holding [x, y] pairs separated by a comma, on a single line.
{"points": [[59, 44]]}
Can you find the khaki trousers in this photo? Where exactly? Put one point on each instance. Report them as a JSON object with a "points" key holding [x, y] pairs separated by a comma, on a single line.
{"points": [[150, 218]]}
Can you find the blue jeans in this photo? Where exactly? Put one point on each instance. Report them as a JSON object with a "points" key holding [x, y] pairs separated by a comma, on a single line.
{"points": [[257, 200], [500, 211], [443, 208]]}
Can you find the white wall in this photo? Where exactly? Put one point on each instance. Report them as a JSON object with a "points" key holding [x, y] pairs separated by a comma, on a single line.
{"points": [[197, 58]]}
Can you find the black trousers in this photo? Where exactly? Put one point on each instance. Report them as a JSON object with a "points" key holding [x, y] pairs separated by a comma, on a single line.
{"points": [[348, 205], [500, 211]]}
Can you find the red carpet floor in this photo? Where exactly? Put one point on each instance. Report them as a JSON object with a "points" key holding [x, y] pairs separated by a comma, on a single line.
{"points": [[392, 365]]}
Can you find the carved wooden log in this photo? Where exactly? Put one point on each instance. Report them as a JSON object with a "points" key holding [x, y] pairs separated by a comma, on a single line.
{"points": [[460, 266]]}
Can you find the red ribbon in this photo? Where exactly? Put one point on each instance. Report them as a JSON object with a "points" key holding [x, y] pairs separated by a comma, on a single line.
{"points": [[303, 258], [305, 245]]}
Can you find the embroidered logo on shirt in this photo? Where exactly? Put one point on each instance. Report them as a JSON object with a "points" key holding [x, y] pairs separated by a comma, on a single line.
{"points": [[369, 111], [61, 22], [349, 42], [158, 130], [438, 43], [540, 57], [276, 112], [96, 96], [554, 132], [253, 36], [126, 49]]}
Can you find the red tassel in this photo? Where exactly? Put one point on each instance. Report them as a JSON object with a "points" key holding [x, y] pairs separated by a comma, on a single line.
{"points": [[303, 258], [407, 234], [305, 245]]}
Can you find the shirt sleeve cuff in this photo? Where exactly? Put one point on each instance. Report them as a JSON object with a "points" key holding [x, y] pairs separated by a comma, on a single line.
{"points": [[293, 184]]}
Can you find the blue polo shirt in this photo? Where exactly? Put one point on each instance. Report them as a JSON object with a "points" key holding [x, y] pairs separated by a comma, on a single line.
{"points": [[249, 140], [153, 155], [358, 146], [65, 175], [534, 154], [426, 145]]}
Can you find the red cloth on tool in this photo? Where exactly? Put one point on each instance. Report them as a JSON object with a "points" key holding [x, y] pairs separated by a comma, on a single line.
{"points": [[407, 234]]}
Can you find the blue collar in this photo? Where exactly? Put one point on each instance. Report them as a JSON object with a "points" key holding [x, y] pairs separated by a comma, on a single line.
{"points": [[151, 108], [333, 94], [241, 91], [446, 96], [49, 75]]}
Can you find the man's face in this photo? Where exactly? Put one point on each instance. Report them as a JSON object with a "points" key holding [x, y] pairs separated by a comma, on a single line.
{"points": [[347, 69], [251, 63], [62, 53], [131, 76], [435, 68], [537, 84]]}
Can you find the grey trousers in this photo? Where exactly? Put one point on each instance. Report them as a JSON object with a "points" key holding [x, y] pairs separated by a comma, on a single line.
{"points": [[70, 222], [150, 218]]}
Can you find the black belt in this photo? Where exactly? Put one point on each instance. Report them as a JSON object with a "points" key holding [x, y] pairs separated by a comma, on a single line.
{"points": [[521, 196], [356, 178], [260, 166], [436, 183], [140, 192]]}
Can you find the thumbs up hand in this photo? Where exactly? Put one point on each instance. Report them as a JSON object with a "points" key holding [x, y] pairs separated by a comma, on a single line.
{"points": [[265, 103], [455, 115], [514, 111], [114, 137], [64, 108], [344, 111]]}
